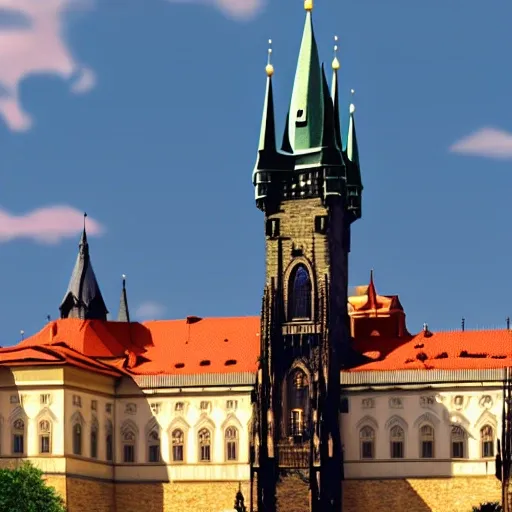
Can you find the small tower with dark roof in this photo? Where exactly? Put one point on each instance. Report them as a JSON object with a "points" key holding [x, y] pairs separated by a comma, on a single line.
{"points": [[83, 297]]}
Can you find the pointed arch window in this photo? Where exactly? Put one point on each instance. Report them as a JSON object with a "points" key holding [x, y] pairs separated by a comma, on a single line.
{"points": [[94, 439], [205, 444], [45, 436], [427, 442], [109, 442], [77, 439], [458, 442], [397, 441], [298, 403], [300, 290], [367, 440], [487, 440], [231, 439], [128, 436], [18, 437], [178, 445], [153, 447]]}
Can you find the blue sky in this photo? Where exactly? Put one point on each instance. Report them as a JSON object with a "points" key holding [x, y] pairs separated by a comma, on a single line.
{"points": [[145, 114]]}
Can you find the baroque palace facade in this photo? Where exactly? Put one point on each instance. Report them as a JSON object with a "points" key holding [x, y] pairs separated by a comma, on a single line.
{"points": [[326, 402]]}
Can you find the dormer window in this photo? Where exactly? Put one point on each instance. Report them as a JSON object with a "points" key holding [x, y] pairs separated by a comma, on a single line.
{"points": [[299, 306]]}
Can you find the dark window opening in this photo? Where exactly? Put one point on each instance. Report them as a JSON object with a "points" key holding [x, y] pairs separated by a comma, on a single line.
{"points": [[321, 224], [230, 362], [272, 228], [77, 440], [179, 365], [206, 362], [300, 294], [129, 453], [109, 448]]}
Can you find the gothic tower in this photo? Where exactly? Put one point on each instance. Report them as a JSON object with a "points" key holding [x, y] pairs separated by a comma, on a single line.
{"points": [[310, 194]]}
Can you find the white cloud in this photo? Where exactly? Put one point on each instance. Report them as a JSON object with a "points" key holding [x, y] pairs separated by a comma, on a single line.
{"points": [[31, 42], [486, 142], [150, 310], [237, 9], [50, 224]]}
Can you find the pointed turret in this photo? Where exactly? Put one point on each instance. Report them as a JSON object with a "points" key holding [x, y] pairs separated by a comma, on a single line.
{"points": [[335, 96], [124, 312], [269, 158], [354, 183], [83, 297]]}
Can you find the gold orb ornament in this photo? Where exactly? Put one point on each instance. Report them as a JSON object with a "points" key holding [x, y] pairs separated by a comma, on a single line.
{"points": [[308, 5]]}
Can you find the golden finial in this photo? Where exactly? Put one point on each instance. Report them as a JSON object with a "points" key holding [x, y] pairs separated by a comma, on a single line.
{"points": [[352, 106], [308, 5], [335, 61], [269, 69]]}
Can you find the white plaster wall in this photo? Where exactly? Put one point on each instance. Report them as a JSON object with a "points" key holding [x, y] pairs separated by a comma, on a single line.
{"points": [[29, 408], [85, 414], [217, 418], [413, 408]]}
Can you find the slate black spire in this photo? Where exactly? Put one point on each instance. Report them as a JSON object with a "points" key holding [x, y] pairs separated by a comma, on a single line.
{"points": [[124, 312], [83, 297]]}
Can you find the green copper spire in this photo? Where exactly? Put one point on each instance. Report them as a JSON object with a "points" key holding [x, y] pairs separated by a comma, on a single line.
{"points": [[335, 95], [269, 158], [305, 121], [352, 148], [354, 182]]}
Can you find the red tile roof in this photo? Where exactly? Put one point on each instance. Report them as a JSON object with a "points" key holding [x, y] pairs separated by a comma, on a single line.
{"points": [[455, 350], [231, 345], [189, 346]]}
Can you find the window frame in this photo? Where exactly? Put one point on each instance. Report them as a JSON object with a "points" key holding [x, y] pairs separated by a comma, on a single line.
{"points": [[487, 441], [427, 438], [18, 437], [365, 441], [460, 440], [44, 433], [396, 441], [231, 444], [204, 447], [178, 445]]}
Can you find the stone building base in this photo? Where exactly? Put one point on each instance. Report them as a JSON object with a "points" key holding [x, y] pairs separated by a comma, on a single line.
{"points": [[456, 494]]}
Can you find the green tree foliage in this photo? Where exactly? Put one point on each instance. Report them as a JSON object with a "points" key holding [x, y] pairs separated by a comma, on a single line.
{"points": [[24, 490], [488, 507]]}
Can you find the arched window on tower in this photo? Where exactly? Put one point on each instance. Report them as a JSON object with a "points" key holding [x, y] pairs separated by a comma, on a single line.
{"points": [[299, 297], [298, 404]]}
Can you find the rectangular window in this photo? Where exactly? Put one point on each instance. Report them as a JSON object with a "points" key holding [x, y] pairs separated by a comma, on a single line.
{"points": [[44, 446], [154, 453], [367, 450], [487, 449], [427, 449], [45, 399], [77, 401], [94, 405], [231, 450], [397, 450], [179, 406], [177, 453], [321, 224], [205, 453], [231, 404], [108, 408], [129, 453], [94, 445], [109, 449], [204, 405], [18, 444], [457, 449], [296, 423], [272, 228]]}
